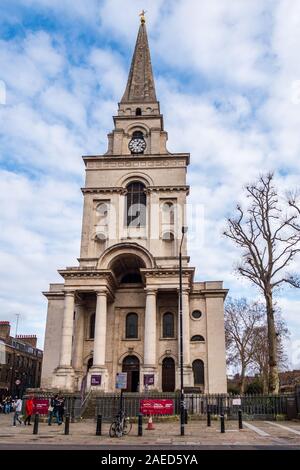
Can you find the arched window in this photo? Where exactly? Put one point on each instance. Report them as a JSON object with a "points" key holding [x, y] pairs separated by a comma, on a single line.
{"points": [[138, 112], [92, 326], [168, 325], [131, 325], [198, 371], [136, 205], [197, 338], [137, 135]]}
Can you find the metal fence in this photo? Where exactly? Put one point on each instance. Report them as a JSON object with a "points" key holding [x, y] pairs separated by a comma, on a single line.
{"points": [[252, 406], [197, 405]]}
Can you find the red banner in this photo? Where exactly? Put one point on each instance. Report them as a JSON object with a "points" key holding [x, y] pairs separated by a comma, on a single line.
{"points": [[156, 407], [40, 406]]}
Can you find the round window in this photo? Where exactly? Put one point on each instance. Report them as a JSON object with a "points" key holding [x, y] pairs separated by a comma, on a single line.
{"points": [[197, 314]]}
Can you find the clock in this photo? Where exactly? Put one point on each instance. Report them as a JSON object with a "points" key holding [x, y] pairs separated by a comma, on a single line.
{"points": [[137, 145]]}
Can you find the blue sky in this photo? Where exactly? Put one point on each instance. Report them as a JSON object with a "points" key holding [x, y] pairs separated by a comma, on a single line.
{"points": [[228, 79]]}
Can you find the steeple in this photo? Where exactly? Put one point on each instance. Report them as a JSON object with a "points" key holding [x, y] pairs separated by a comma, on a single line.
{"points": [[140, 85]]}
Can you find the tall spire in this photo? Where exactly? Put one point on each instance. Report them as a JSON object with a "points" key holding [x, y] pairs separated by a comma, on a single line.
{"points": [[140, 85]]}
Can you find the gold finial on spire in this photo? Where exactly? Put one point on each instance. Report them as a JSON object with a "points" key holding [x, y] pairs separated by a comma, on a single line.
{"points": [[142, 15]]}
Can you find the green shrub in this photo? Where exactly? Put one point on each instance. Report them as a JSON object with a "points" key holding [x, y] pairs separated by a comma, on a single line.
{"points": [[254, 387]]}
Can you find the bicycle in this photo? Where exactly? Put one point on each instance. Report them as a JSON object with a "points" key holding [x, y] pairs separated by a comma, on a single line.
{"points": [[121, 425]]}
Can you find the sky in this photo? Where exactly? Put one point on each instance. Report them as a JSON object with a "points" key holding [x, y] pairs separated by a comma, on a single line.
{"points": [[227, 75]]}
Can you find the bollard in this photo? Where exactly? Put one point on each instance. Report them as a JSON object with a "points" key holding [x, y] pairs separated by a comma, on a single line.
{"points": [[140, 424], [73, 410], [208, 418], [67, 425], [185, 416], [240, 420], [99, 425], [36, 423], [222, 424]]}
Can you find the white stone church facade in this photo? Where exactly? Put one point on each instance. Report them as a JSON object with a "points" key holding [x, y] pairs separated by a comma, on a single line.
{"points": [[118, 309]]}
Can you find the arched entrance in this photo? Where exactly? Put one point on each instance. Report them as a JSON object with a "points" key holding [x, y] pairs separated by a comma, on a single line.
{"points": [[168, 375], [131, 365]]}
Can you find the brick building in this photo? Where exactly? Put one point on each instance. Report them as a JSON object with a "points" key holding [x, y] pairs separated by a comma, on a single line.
{"points": [[20, 361]]}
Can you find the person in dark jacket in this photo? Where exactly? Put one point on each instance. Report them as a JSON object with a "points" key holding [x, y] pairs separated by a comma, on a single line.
{"points": [[60, 409]]}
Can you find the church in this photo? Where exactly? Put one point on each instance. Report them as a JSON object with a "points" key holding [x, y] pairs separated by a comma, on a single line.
{"points": [[117, 310]]}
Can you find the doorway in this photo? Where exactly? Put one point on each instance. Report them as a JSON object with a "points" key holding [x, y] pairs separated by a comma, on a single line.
{"points": [[131, 365], [168, 375]]}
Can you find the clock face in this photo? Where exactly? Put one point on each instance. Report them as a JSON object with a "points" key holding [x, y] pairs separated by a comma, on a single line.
{"points": [[137, 145]]}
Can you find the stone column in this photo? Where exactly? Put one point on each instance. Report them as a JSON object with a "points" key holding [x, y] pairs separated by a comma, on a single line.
{"points": [[99, 367], [100, 329], [187, 370], [150, 329], [67, 331], [150, 365], [63, 377], [79, 338], [186, 327]]}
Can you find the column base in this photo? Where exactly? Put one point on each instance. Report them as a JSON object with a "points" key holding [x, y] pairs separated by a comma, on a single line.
{"points": [[188, 379], [97, 371], [63, 378], [148, 370]]}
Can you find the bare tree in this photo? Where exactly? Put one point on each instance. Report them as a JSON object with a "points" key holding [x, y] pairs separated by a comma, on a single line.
{"points": [[242, 319], [267, 232]]}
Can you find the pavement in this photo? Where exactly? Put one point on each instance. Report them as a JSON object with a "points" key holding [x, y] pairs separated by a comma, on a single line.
{"points": [[254, 435]]}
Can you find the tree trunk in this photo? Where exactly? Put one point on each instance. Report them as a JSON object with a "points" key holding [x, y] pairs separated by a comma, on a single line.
{"points": [[265, 379], [272, 340], [242, 381]]}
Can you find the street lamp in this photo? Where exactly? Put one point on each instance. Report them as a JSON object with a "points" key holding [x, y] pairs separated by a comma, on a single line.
{"points": [[182, 411]]}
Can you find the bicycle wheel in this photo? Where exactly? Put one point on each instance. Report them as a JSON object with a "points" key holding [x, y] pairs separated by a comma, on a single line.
{"points": [[113, 429], [119, 429], [127, 427]]}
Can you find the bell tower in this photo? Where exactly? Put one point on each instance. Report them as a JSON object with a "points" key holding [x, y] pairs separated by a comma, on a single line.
{"points": [[118, 310], [143, 185]]}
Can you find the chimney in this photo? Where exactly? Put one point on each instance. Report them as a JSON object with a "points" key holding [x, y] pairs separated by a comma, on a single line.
{"points": [[28, 339], [4, 329]]}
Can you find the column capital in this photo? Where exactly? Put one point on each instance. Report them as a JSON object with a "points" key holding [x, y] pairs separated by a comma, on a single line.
{"points": [[70, 293], [185, 291], [150, 291], [100, 292]]}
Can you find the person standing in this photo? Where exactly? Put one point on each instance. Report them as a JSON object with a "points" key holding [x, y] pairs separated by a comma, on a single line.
{"points": [[60, 409], [51, 410], [18, 409], [28, 410]]}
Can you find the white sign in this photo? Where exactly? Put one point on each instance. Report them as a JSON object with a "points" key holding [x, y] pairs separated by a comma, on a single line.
{"points": [[121, 380], [237, 401]]}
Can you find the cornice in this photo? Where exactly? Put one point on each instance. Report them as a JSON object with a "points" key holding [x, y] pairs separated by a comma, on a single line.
{"points": [[210, 293], [152, 189], [121, 190], [144, 161], [53, 295], [111, 190]]}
